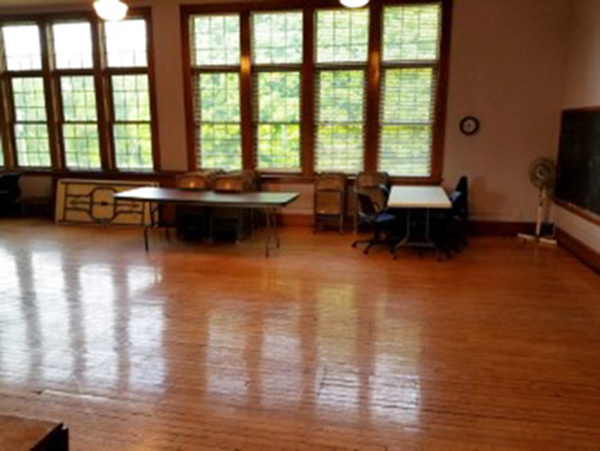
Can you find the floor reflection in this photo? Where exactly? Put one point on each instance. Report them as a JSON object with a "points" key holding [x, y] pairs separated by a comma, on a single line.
{"points": [[102, 328], [52, 310]]}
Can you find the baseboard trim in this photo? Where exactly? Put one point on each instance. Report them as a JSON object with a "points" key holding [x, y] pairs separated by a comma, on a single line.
{"points": [[581, 251], [499, 228], [490, 228], [295, 220]]}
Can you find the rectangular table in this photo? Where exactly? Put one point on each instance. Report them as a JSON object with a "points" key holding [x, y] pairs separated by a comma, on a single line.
{"points": [[418, 197], [270, 203], [18, 433]]}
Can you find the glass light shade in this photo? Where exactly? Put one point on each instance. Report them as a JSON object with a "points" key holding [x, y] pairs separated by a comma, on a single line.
{"points": [[354, 3], [111, 10]]}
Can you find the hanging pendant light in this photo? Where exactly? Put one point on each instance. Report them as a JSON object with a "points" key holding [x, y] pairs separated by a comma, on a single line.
{"points": [[111, 10], [354, 3]]}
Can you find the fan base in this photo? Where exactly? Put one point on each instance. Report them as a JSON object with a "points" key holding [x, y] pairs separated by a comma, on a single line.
{"points": [[526, 238]]}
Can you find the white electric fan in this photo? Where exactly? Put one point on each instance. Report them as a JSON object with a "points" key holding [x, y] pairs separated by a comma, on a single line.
{"points": [[542, 174]]}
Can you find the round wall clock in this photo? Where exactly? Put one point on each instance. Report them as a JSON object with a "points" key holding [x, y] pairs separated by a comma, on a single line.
{"points": [[469, 125]]}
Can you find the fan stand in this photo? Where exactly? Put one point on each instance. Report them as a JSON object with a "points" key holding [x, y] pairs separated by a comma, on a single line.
{"points": [[537, 237]]}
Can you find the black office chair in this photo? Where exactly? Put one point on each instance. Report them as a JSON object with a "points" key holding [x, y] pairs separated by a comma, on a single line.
{"points": [[10, 191], [377, 218], [450, 227]]}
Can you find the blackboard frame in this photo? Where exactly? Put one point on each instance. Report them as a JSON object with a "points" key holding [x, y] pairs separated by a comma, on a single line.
{"points": [[578, 183]]}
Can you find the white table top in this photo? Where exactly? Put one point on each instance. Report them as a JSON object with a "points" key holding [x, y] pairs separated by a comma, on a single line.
{"points": [[419, 197]]}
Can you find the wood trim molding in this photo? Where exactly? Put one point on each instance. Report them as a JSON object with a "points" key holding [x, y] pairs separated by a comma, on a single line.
{"points": [[578, 211], [581, 251]]}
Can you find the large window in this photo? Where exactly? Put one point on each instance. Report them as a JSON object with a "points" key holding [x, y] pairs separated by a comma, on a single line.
{"points": [[410, 62], [314, 88], [79, 93], [277, 60]]}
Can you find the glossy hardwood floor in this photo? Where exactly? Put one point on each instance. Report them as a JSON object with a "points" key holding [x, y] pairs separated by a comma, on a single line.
{"points": [[318, 348]]}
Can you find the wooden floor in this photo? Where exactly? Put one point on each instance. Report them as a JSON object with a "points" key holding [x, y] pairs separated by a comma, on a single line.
{"points": [[316, 348]]}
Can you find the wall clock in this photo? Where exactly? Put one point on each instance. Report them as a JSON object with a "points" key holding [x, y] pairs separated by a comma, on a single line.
{"points": [[469, 125]]}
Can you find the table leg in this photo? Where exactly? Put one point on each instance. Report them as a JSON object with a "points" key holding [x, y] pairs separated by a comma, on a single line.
{"points": [[406, 237], [268, 237], [272, 232], [146, 238]]}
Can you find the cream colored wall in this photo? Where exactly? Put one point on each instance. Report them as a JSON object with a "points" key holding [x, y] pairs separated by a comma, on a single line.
{"points": [[507, 67], [582, 89]]}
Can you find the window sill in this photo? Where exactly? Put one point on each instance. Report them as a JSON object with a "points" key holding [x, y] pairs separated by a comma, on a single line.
{"points": [[169, 176]]}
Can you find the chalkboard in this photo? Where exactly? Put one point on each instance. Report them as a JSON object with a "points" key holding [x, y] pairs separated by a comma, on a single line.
{"points": [[579, 159]]}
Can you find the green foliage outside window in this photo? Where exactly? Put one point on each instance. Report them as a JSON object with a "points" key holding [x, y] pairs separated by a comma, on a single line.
{"points": [[216, 40], [277, 38], [219, 113], [31, 130], [132, 131], [411, 33], [340, 140], [279, 120], [80, 132], [342, 35]]}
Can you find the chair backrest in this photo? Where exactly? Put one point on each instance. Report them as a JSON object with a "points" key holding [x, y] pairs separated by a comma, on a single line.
{"points": [[330, 194], [232, 183], [372, 179], [371, 183], [366, 207], [330, 182], [460, 206], [199, 181]]}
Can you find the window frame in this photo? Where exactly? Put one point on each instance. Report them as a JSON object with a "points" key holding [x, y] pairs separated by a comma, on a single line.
{"points": [[310, 67], [51, 75]]}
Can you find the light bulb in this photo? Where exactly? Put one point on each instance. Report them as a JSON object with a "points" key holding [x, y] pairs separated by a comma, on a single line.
{"points": [[354, 3], [111, 10]]}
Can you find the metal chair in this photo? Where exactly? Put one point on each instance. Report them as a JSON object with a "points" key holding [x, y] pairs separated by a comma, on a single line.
{"points": [[329, 200], [376, 217], [450, 226]]}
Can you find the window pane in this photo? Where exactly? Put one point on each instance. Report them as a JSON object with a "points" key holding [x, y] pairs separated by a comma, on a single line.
{"points": [[133, 146], [340, 148], [126, 43], [342, 35], [277, 38], [219, 97], [72, 45], [278, 133], [221, 146], [82, 150], [32, 145], [340, 116], [131, 98], [29, 100], [279, 146], [279, 96], [22, 47], [341, 96], [79, 99], [408, 95], [216, 40], [406, 150], [411, 32]]}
